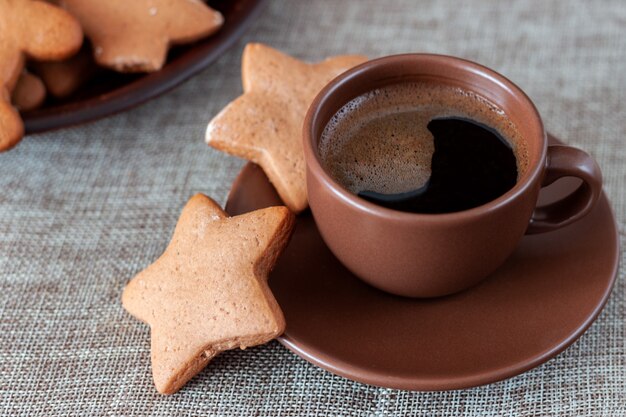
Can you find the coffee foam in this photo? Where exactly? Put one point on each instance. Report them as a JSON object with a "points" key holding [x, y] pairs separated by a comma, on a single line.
{"points": [[380, 142]]}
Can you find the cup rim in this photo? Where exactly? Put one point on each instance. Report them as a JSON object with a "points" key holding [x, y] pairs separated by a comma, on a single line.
{"points": [[314, 165]]}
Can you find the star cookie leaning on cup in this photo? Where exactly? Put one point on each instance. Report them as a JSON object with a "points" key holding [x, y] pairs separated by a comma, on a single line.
{"points": [[264, 125]]}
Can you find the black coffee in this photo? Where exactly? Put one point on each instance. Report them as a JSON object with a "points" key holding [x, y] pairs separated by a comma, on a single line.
{"points": [[472, 165], [423, 148]]}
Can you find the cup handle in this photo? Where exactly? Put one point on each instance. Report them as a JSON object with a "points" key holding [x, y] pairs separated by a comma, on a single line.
{"points": [[566, 161]]}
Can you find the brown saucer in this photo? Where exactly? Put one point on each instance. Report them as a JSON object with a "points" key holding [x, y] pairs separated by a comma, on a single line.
{"points": [[111, 92], [538, 303]]}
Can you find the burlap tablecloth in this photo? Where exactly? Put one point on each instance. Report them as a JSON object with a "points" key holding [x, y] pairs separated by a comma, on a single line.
{"points": [[84, 209]]}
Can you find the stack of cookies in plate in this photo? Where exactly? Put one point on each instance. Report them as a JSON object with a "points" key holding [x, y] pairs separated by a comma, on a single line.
{"points": [[43, 51]]}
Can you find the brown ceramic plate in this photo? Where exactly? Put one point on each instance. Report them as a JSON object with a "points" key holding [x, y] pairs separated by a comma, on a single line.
{"points": [[112, 92], [544, 297]]}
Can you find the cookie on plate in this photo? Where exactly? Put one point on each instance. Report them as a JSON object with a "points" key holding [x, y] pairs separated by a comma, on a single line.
{"points": [[39, 31], [134, 36], [208, 292], [63, 78], [264, 125], [29, 92]]}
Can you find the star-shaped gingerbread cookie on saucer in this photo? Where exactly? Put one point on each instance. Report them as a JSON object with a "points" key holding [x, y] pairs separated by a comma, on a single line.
{"points": [[208, 292], [264, 125]]}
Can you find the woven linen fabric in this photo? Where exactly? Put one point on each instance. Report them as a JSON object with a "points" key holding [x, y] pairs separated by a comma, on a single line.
{"points": [[83, 209]]}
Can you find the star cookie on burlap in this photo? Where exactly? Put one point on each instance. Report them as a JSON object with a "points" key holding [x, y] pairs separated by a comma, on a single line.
{"points": [[208, 292], [135, 35], [36, 30], [264, 125]]}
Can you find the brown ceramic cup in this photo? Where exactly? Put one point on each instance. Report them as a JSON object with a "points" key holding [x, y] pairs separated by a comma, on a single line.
{"points": [[427, 255]]}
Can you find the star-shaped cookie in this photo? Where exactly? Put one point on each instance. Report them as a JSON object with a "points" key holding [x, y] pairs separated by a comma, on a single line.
{"points": [[264, 125], [208, 292], [39, 31], [135, 35]]}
